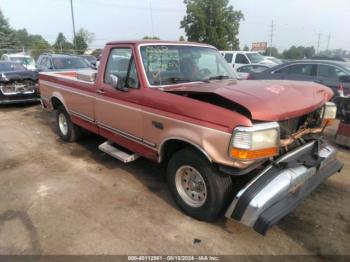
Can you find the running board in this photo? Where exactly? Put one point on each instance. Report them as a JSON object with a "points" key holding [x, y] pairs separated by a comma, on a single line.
{"points": [[109, 149]]}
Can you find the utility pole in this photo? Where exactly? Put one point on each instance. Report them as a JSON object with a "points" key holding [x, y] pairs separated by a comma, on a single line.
{"points": [[328, 41], [151, 15], [73, 23], [318, 42], [272, 29]]}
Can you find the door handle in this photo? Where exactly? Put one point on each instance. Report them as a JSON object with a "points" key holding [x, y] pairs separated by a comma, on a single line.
{"points": [[100, 91]]}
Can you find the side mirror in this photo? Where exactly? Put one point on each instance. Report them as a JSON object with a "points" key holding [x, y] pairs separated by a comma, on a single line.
{"points": [[344, 79], [115, 83]]}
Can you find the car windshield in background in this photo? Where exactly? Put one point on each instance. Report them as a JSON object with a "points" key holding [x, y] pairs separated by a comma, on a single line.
{"points": [[90, 58], [171, 64], [255, 57], [23, 60], [9, 67], [69, 63], [347, 66]]}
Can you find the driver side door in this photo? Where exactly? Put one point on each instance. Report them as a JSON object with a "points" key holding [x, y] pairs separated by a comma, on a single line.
{"points": [[118, 110]]}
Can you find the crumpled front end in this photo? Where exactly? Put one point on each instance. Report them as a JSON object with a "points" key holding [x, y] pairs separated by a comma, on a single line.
{"points": [[283, 185]]}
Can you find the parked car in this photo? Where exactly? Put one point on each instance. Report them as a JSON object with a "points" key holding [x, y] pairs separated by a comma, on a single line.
{"points": [[17, 84], [329, 73], [59, 62], [178, 103], [239, 58], [90, 59], [244, 71], [332, 58], [26, 60]]}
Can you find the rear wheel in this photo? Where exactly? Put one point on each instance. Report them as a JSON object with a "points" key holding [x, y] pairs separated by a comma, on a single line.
{"points": [[198, 188], [66, 129]]}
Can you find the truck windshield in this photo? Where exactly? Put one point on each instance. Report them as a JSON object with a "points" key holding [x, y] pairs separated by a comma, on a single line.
{"points": [[23, 59], [171, 64], [255, 57]]}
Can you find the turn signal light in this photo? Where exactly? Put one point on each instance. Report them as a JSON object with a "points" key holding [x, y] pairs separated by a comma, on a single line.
{"points": [[253, 154]]}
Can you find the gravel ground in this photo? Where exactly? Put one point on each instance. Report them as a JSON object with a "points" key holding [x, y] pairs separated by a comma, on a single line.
{"points": [[60, 198]]}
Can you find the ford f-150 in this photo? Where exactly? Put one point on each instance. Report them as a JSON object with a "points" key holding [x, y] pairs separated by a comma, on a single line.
{"points": [[178, 103]]}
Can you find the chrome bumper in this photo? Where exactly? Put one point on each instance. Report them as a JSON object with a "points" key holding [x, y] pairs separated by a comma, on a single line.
{"points": [[283, 185]]}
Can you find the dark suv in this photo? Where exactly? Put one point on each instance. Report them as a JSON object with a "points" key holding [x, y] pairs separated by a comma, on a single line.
{"points": [[329, 73], [60, 62]]}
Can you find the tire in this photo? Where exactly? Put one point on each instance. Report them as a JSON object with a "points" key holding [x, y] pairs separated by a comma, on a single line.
{"points": [[217, 187], [68, 132]]}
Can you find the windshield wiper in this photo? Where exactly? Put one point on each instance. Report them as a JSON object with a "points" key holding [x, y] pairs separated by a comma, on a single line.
{"points": [[173, 80], [219, 77]]}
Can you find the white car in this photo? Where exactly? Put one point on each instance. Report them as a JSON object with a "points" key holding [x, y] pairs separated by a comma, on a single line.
{"points": [[242, 72], [27, 61], [240, 58]]}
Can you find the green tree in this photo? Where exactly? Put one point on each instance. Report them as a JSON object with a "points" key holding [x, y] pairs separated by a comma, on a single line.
{"points": [[82, 40], [274, 52], [151, 38], [38, 45], [246, 48], [7, 35], [212, 22], [182, 38]]}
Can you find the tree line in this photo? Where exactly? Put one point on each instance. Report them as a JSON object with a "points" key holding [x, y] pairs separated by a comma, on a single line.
{"points": [[14, 41]]}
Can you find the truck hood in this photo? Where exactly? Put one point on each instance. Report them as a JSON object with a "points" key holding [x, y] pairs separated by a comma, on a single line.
{"points": [[266, 100]]}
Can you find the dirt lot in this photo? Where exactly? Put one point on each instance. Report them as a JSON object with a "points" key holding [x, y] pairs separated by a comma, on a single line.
{"points": [[58, 198]]}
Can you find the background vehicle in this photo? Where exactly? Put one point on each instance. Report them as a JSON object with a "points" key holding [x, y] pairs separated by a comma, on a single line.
{"points": [[274, 60], [91, 59], [27, 61], [329, 73], [17, 84], [58, 62], [239, 58], [178, 103], [243, 72]]}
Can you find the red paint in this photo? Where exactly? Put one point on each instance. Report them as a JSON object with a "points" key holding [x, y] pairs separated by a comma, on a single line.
{"points": [[266, 100]]}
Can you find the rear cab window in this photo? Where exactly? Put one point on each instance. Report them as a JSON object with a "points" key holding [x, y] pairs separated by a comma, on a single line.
{"points": [[121, 64]]}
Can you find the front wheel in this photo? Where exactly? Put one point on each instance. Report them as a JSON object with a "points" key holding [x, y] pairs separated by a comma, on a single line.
{"points": [[198, 188]]}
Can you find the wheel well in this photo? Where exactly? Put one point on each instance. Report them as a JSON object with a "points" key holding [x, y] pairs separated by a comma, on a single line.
{"points": [[172, 146], [56, 102]]}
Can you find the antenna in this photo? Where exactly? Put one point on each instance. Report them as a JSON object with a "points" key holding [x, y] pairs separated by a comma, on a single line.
{"points": [[151, 16], [272, 29]]}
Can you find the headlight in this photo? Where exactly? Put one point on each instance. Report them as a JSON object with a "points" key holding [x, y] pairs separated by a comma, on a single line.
{"points": [[258, 141], [330, 111]]}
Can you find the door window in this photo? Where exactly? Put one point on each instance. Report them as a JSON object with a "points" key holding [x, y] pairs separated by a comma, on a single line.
{"points": [[331, 72], [241, 59], [299, 69], [121, 64], [228, 58]]}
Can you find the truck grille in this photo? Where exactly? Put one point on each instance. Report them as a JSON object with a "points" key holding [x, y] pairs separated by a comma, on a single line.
{"points": [[18, 87], [293, 125]]}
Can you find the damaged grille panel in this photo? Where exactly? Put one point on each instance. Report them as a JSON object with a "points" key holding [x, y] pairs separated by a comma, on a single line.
{"points": [[18, 87]]}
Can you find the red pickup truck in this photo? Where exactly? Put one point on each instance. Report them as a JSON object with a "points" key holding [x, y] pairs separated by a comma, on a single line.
{"points": [[178, 103]]}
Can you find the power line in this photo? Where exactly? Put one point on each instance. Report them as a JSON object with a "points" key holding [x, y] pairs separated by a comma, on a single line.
{"points": [[151, 16], [73, 23], [318, 42], [272, 29], [328, 41]]}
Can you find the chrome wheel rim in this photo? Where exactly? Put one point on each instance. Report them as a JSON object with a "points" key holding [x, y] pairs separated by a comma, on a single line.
{"points": [[62, 124], [191, 186]]}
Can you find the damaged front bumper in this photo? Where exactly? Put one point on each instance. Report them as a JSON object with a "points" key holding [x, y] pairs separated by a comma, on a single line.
{"points": [[283, 185]]}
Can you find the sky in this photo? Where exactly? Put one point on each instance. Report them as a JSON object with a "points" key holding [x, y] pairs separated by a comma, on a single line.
{"points": [[297, 22]]}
